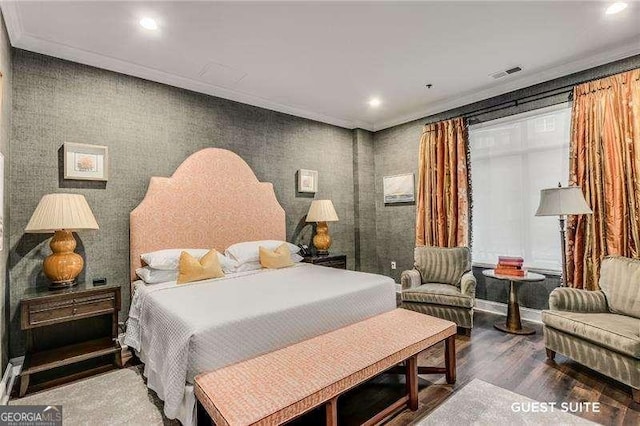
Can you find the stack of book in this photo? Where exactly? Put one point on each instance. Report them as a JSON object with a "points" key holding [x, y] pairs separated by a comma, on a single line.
{"points": [[511, 266]]}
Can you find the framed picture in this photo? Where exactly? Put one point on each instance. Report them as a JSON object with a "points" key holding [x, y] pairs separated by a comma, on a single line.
{"points": [[307, 181], [86, 162], [399, 188]]}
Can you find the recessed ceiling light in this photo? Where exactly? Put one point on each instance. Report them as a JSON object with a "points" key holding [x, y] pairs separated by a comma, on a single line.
{"points": [[616, 8], [149, 24], [374, 102]]}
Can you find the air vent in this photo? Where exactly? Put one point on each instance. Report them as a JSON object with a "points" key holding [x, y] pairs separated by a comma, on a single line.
{"points": [[221, 75], [504, 73]]}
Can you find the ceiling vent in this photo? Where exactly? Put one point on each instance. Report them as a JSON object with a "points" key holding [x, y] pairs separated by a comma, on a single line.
{"points": [[221, 75], [504, 73]]}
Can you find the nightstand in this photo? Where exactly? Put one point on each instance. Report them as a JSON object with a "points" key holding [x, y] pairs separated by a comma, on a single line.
{"points": [[338, 261], [75, 328]]}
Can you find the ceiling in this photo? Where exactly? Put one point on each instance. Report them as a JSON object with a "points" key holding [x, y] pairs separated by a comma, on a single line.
{"points": [[324, 61]]}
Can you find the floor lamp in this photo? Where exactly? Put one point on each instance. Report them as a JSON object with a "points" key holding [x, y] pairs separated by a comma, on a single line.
{"points": [[562, 201]]}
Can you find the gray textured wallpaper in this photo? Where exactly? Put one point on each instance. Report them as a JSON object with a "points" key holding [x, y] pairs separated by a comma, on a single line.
{"points": [[150, 129], [364, 201], [5, 132]]}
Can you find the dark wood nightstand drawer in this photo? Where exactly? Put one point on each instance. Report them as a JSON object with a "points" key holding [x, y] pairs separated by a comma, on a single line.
{"points": [[340, 264], [338, 261], [69, 309]]}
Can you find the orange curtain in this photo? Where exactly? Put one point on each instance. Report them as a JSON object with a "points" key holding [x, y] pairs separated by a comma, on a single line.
{"points": [[605, 162], [442, 218]]}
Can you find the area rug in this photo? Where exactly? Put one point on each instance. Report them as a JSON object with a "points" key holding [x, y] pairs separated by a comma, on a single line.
{"points": [[481, 403], [119, 397]]}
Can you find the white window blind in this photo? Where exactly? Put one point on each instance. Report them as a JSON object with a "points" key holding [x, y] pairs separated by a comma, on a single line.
{"points": [[512, 159]]}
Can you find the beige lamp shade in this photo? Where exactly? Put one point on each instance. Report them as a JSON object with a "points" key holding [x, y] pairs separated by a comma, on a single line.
{"points": [[61, 211], [322, 211], [562, 201]]}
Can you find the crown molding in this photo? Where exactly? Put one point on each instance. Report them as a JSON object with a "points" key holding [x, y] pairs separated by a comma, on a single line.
{"points": [[625, 50], [12, 21], [58, 50], [23, 40]]}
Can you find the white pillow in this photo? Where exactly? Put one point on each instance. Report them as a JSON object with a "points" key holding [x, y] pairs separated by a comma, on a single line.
{"points": [[248, 266], [168, 260], [154, 276], [253, 266], [249, 251]]}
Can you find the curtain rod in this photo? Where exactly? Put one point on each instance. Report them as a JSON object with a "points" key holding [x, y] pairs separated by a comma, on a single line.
{"points": [[471, 116], [568, 89], [565, 90]]}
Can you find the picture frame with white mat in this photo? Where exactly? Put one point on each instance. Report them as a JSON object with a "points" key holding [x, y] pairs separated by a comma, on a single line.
{"points": [[86, 162]]}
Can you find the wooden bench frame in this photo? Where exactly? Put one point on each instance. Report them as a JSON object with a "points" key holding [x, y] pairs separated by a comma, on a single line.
{"points": [[410, 400], [411, 370]]}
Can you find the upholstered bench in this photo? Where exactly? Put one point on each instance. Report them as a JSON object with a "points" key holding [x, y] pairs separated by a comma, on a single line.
{"points": [[282, 385]]}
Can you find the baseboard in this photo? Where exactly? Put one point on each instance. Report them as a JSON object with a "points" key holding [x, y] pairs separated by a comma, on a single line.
{"points": [[11, 373], [526, 314]]}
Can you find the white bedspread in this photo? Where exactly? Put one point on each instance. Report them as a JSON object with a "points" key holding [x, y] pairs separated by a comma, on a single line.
{"points": [[180, 331]]}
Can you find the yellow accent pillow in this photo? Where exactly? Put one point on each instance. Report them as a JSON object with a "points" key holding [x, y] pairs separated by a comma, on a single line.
{"points": [[191, 269], [275, 259]]}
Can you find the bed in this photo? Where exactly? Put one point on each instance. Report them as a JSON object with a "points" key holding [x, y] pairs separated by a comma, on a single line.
{"points": [[214, 200]]}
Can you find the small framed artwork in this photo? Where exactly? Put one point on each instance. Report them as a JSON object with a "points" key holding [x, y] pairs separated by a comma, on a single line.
{"points": [[307, 181], [86, 162], [399, 188]]}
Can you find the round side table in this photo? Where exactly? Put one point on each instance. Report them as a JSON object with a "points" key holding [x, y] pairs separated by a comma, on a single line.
{"points": [[513, 324]]}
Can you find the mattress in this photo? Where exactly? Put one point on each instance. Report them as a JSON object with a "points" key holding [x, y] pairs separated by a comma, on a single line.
{"points": [[180, 331]]}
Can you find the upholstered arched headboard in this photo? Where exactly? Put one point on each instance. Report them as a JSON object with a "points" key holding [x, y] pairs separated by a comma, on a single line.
{"points": [[212, 200]]}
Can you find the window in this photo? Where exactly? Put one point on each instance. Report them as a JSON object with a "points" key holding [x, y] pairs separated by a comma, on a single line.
{"points": [[512, 159]]}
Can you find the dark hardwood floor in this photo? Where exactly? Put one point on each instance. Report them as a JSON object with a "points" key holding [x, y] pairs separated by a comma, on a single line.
{"points": [[516, 363]]}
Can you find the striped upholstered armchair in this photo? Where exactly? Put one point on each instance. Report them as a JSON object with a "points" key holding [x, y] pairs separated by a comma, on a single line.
{"points": [[441, 284], [600, 329]]}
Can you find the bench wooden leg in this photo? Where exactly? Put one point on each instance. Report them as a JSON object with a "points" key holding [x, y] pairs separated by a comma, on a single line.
{"points": [[450, 359], [411, 377], [331, 410]]}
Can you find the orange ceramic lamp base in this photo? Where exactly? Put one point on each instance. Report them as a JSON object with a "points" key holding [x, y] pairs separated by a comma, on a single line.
{"points": [[322, 239], [63, 266]]}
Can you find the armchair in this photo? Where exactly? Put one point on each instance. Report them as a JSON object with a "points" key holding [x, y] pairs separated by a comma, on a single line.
{"points": [[441, 284], [600, 329]]}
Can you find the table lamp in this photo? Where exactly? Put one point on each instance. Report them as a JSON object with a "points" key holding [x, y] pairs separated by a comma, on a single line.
{"points": [[322, 211], [62, 214], [562, 201]]}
